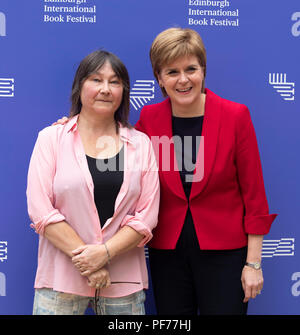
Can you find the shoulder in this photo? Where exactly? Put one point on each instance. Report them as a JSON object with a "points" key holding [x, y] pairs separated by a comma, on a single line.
{"points": [[51, 131], [225, 103], [151, 110], [49, 135], [140, 143], [231, 108], [58, 130], [137, 136], [153, 116]]}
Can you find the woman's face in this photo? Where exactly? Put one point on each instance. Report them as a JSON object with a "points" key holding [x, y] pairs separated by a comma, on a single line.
{"points": [[182, 80], [102, 91]]}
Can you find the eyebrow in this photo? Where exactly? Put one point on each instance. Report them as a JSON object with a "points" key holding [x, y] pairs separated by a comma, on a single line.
{"points": [[174, 68], [96, 73]]}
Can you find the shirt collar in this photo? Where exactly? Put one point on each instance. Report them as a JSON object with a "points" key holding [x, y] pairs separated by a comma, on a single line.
{"points": [[72, 124], [125, 132]]}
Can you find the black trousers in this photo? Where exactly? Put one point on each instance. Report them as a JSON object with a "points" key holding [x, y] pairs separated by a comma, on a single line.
{"points": [[190, 281]]}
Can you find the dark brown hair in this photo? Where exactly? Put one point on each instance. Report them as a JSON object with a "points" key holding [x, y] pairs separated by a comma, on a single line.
{"points": [[91, 64]]}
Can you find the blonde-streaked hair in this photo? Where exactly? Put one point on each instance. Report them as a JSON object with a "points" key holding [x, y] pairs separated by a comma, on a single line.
{"points": [[174, 43]]}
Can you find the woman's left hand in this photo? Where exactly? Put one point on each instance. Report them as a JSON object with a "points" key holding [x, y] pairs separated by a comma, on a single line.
{"points": [[99, 279], [89, 258], [252, 282]]}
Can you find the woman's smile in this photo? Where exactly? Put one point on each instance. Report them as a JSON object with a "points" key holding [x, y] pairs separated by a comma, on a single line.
{"points": [[184, 90], [183, 80]]}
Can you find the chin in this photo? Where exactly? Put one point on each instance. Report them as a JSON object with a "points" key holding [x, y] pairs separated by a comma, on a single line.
{"points": [[185, 102]]}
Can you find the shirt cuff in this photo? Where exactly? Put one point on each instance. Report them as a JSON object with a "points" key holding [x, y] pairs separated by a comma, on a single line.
{"points": [[259, 224], [40, 224], [136, 224]]}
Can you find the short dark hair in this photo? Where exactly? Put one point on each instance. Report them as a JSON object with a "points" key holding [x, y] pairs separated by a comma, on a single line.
{"points": [[91, 64]]}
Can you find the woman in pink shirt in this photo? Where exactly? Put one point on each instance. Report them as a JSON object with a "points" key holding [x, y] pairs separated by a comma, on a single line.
{"points": [[93, 198]]}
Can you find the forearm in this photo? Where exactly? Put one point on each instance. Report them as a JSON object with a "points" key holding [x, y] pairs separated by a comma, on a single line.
{"points": [[254, 248], [63, 237], [124, 240]]}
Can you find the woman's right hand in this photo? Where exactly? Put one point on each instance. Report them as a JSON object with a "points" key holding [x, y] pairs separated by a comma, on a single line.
{"points": [[89, 258], [62, 121], [99, 279]]}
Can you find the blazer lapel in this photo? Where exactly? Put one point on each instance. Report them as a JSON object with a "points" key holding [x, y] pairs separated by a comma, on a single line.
{"points": [[210, 133], [165, 153]]}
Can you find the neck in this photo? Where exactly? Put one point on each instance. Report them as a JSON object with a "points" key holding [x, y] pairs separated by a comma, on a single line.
{"points": [[97, 124], [197, 109]]}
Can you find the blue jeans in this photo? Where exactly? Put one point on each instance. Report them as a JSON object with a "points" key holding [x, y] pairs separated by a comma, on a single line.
{"points": [[50, 302]]}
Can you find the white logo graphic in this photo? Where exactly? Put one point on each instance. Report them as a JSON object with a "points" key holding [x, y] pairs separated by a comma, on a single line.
{"points": [[2, 285], [271, 248], [141, 93], [296, 25], [284, 88], [146, 250], [3, 251], [295, 289], [2, 24], [282, 247], [7, 87]]}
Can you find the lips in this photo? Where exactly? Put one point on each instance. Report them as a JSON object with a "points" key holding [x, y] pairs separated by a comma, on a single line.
{"points": [[184, 90], [100, 100]]}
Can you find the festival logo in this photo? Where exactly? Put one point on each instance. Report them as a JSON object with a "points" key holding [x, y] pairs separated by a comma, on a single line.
{"points": [[212, 13], [7, 87], [2, 285], [3, 257], [3, 251], [146, 250], [2, 24], [282, 247], [74, 11], [285, 88], [141, 93]]}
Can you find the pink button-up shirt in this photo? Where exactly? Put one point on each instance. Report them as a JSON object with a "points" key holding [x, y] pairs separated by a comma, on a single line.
{"points": [[60, 188]]}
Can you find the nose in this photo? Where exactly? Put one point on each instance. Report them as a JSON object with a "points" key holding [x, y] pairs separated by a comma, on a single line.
{"points": [[104, 88], [183, 78]]}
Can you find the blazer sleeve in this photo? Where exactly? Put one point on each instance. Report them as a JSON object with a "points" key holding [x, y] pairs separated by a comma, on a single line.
{"points": [[39, 191], [146, 211], [257, 219]]}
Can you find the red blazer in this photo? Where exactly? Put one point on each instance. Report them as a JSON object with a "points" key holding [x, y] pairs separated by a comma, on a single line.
{"points": [[229, 202]]}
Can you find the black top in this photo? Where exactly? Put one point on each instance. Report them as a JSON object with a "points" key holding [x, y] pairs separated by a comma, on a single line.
{"points": [[189, 131], [107, 175]]}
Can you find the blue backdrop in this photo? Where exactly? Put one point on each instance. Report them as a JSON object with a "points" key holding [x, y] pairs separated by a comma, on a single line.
{"points": [[253, 57]]}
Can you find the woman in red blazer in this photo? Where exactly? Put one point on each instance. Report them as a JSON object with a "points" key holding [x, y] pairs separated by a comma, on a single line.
{"points": [[205, 255]]}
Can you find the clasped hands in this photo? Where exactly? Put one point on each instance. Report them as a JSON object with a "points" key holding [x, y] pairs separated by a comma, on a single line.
{"points": [[90, 260]]}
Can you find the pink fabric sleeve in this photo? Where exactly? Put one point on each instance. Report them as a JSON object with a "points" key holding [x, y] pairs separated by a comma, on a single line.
{"points": [[146, 214], [40, 182]]}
